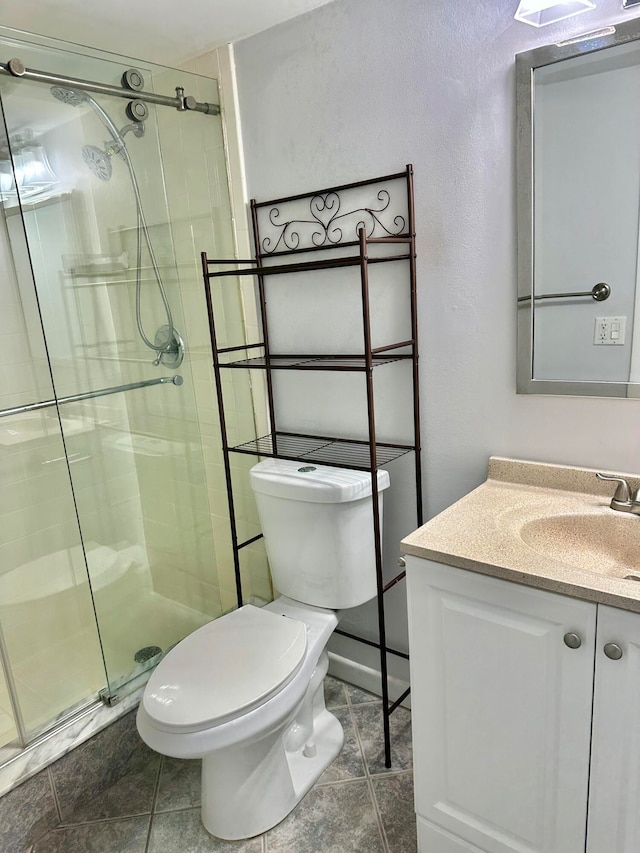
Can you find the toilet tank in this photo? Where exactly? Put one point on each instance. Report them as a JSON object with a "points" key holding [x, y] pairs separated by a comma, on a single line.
{"points": [[318, 530]]}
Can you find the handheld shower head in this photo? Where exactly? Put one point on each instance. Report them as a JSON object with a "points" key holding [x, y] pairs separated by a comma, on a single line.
{"points": [[98, 160], [68, 96]]}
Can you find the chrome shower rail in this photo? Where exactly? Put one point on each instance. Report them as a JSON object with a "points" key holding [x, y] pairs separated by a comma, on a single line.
{"points": [[88, 395], [183, 103]]}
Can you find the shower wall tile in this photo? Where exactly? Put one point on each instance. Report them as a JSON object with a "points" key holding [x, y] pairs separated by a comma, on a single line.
{"points": [[209, 421], [15, 381], [205, 64], [17, 350], [202, 220], [15, 553], [19, 383], [170, 581], [228, 594], [32, 627], [11, 465]]}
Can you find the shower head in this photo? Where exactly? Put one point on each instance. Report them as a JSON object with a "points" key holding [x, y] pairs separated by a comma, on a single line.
{"points": [[98, 160], [68, 96]]}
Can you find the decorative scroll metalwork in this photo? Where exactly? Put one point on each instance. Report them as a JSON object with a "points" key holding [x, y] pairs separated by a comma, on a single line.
{"points": [[329, 226]]}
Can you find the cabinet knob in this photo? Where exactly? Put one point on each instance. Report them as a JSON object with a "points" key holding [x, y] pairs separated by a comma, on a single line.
{"points": [[613, 651], [572, 640], [402, 562]]}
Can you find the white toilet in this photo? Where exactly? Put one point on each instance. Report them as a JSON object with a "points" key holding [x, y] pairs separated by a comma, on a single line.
{"points": [[244, 693]]}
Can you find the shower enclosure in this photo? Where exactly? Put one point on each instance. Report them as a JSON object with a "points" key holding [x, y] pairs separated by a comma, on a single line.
{"points": [[109, 465]]}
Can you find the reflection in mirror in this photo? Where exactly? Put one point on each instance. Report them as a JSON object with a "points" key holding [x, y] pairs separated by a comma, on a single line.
{"points": [[579, 215]]}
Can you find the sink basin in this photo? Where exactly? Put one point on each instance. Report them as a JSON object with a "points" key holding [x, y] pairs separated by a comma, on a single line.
{"points": [[607, 544]]}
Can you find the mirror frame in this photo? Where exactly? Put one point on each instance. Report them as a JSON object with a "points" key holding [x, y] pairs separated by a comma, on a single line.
{"points": [[526, 63]]}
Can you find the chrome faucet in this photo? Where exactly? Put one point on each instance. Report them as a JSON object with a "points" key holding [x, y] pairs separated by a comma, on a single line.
{"points": [[624, 500]]}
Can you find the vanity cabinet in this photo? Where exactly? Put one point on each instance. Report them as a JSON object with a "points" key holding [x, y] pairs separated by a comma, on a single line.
{"points": [[614, 789], [518, 747]]}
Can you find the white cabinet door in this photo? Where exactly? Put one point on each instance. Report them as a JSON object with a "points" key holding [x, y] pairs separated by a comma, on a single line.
{"points": [[501, 710], [614, 789]]}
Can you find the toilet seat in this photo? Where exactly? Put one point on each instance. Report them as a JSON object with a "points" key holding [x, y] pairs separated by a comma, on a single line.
{"points": [[224, 669]]}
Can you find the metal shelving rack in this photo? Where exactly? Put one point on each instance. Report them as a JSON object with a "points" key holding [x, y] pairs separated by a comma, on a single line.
{"points": [[325, 227]]}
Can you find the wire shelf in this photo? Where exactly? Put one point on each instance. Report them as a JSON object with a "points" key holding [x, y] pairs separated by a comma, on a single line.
{"points": [[339, 452], [316, 362]]}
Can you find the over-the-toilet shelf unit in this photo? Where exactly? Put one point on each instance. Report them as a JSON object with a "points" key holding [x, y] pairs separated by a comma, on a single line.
{"points": [[387, 219]]}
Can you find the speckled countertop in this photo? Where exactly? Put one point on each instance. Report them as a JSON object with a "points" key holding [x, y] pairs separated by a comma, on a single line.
{"points": [[548, 526]]}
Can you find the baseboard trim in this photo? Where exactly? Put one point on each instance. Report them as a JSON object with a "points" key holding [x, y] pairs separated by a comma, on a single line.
{"points": [[366, 677]]}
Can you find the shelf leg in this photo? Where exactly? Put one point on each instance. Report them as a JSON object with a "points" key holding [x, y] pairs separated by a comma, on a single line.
{"points": [[223, 430]]}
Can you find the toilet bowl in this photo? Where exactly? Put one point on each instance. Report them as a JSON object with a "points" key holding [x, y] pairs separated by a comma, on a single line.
{"points": [[263, 744], [244, 693]]}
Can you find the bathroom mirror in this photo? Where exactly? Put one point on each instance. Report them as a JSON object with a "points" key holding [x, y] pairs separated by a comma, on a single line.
{"points": [[578, 163]]}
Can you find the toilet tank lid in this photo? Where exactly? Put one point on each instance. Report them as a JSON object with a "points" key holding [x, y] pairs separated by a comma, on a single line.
{"points": [[313, 483]]}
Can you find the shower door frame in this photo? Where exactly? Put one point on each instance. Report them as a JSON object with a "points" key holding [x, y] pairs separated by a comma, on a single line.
{"points": [[181, 102]]}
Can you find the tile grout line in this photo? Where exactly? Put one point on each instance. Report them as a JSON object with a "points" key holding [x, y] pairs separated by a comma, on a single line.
{"points": [[55, 794], [389, 773], [97, 820], [372, 796], [153, 803], [335, 782], [56, 803], [376, 808]]}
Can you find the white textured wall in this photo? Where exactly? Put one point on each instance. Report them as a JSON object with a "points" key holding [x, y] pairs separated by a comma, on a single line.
{"points": [[360, 88], [357, 89]]}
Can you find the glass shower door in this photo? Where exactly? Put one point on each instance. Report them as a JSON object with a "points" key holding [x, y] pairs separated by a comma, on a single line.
{"points": [[49, 644], [99, 248]]}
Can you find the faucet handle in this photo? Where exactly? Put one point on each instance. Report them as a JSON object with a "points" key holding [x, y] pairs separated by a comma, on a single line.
{"points": [[622, 493]]}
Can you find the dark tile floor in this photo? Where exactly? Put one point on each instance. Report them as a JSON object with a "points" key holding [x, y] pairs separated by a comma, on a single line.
{"points": [[152, 806]]}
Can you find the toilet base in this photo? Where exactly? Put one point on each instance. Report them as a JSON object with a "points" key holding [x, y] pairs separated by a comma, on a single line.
{"points": [[306, 770], [265, 799], [250, 788]]}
